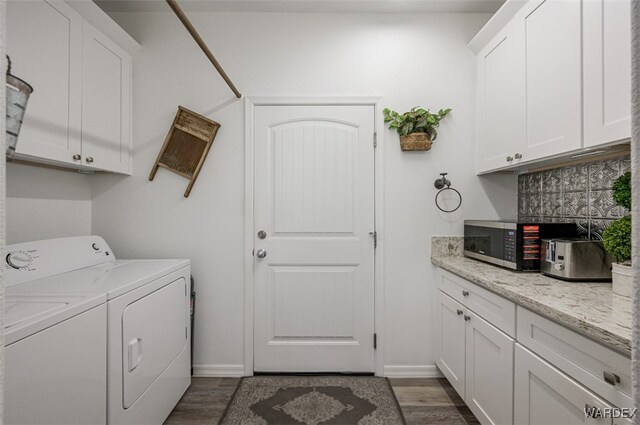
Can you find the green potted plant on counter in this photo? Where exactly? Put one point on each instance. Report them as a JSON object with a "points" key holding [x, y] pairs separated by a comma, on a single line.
{"points": [[617, 238], [417, 128]]}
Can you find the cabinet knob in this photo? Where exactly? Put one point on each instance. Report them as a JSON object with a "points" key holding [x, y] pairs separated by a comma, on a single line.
{"points": [[509, 158], [77, 157], [467, 318], [518, 156], [459, 312], [465, 293], [611, 378], [89, 159]]}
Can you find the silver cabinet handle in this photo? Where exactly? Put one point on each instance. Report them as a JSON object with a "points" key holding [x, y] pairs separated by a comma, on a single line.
{"points": [[518, 156], [261, 253], [509, 158], [89, 159], [465, 293], [77, 157], [611, 378], [467, 318], [459, 312]]}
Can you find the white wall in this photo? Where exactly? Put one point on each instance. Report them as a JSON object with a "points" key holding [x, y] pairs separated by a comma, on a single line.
{"points": [[44, 204], [408, 59]]}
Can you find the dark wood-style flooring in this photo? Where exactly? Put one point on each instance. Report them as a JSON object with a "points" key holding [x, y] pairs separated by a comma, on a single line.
{"points": [[423, 401]]}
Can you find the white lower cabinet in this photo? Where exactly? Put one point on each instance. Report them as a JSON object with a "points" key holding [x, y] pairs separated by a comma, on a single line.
{"points": [[489, 372], [477, 359], [544, 395], [450, 340], [538, 373]]}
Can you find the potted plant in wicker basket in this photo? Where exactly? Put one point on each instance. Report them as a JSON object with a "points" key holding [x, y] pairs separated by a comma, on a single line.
{"points": [[417, 128], [617, 238]]}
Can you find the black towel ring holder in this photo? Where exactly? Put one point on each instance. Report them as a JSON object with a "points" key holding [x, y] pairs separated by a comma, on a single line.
{"points": [[444, 184]]}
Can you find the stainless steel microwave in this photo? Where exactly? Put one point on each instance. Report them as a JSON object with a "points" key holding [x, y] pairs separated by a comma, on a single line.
{"points": [[511, 244]]}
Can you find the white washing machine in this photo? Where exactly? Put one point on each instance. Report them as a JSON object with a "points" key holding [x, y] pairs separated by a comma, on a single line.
{"points": [[137, 343]]}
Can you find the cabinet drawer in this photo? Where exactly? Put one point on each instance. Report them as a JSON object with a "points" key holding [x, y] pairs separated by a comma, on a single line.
{"points": [[545, 395], [584, 360], [496, 310]]}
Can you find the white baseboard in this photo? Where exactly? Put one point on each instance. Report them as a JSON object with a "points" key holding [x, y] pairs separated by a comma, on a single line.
{"points": [[412, 371], [218, 371], [390, 371]]}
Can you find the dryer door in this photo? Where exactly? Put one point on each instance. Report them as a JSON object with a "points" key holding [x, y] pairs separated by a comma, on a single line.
{"points": [[154, 333]]}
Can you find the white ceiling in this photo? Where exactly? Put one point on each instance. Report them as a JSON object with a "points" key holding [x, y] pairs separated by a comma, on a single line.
{"points": [[306, 6]]}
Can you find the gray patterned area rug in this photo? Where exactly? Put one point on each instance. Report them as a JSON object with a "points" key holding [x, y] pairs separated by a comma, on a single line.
{"points": [[313, 400]]}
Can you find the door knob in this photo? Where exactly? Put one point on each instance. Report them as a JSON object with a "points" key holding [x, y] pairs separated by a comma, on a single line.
{"points": [[467, 318], [261, 253], [89, 160], [509, 158], [518, 156], [262, 234], [459, 312], [77, 157], [465, 293]]}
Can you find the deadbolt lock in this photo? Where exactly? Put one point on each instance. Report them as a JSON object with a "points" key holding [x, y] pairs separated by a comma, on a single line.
{"points": [[262, 234]]}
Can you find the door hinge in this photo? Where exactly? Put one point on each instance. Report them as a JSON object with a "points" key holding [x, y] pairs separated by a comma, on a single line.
{"points": [[375, 341], [375, 140], [374, 235]]}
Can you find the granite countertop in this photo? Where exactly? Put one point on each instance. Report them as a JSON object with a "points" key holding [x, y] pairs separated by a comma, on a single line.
{"points": [[591, 308]]}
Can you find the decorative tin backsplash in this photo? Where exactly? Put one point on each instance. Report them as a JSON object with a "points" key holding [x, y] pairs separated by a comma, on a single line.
{"points": [[579, 193]]}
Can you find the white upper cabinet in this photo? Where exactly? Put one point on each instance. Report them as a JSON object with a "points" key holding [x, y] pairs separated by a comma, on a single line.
{"points": [[44, 43], [553, 80], [79, 114], [501, 103], [106, 114], [553, 44], [607, 71]]}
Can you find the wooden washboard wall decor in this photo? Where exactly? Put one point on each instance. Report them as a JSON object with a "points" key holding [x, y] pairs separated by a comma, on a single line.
{"points": [[186, 146]]}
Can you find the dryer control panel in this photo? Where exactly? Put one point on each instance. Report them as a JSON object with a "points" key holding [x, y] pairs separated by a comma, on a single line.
{"points": [[29, 261]]}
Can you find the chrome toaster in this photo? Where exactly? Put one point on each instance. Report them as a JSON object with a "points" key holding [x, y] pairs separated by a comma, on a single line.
{"points": [[575, 259]]}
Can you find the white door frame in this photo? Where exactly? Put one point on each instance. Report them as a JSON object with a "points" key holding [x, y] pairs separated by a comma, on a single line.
{"points": [[250, 104]]}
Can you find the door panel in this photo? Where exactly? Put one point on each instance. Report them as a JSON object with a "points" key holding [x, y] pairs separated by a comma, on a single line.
{"points": [[314, 187], [553, 46], [43, 41], [545, 396], [105, 103], [154, 333], [607, 71], [450, 340], [502, 114], [489, 372]]}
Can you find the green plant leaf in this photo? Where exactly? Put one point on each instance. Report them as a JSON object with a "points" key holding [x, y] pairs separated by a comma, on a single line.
{"points": [[622, 190], [416, 120], [617, 239]]}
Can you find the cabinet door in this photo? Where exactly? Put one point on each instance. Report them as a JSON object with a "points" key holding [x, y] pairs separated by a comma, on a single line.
{"points": [[553, 46], [450, 342], [44, 43], [489, 372], [501, 115], [607, 71], [106, 103], [544, 395]]}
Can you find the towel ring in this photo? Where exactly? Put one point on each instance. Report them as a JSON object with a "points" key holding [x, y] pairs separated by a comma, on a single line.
{"points": [[444, 184]]}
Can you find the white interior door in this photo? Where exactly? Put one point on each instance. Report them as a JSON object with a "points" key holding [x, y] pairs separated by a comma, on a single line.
{"points": [[314, 201]]}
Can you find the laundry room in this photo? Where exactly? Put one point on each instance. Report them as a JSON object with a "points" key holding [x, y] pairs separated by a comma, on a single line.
{"points": [[266, 211]]}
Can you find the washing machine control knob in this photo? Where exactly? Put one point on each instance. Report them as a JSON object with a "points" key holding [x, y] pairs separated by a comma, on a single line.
{"points": [[95, 246], [18, 259]]}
